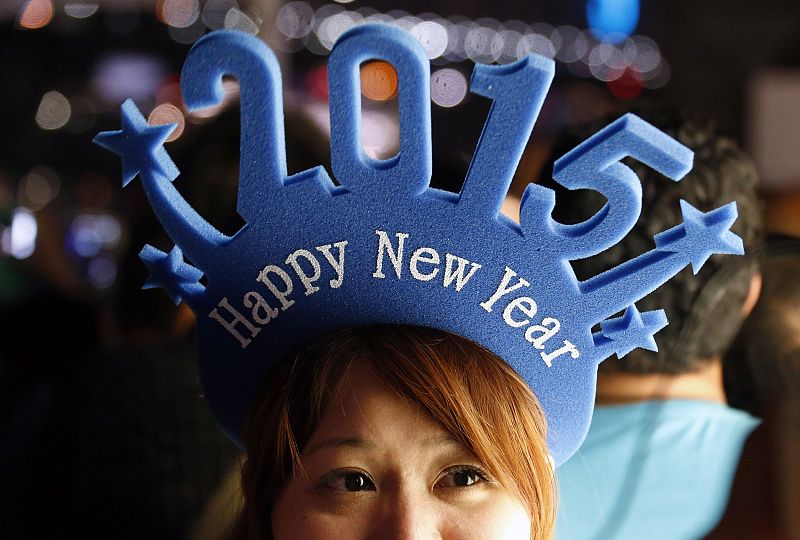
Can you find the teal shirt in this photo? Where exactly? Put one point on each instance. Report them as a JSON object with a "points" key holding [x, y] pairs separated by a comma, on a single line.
{"points": [[652, 470]]}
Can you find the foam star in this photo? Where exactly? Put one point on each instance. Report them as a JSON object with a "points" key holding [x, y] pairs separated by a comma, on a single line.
{"points": [[140, 145], [702, 234], [169, 271], [633, 330]]}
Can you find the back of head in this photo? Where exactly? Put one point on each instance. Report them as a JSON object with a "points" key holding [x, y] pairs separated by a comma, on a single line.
{"points": [[704, 311]]}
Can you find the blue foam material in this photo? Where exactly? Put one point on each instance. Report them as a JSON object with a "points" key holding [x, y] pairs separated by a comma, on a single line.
{"points": [[384, 247]]}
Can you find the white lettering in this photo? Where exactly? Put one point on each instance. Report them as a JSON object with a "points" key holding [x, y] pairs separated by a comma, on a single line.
{"points": [[458, 274], [546, 332], [424, 255], [306, 279], [526, 305], [262, 312], [503, 289], [384, 244], [567, 348], [281, 295], [230, 326], [337, 265]]}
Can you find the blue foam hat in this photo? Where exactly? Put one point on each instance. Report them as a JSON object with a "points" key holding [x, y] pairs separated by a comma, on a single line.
{"points": [[384, 247]]}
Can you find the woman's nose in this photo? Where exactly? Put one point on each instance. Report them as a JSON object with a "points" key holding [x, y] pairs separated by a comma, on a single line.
{"points": [[409, 516]]}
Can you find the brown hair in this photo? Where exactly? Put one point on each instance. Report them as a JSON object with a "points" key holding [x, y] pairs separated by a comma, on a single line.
{"points": [[469, 391]]}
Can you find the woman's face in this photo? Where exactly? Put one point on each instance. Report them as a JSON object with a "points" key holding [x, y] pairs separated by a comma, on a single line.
{"points": [[379, 467]]}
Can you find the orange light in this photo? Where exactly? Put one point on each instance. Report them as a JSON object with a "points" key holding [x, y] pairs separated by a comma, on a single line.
{"points": [[36, 14], [378, 80], [167, 113]]}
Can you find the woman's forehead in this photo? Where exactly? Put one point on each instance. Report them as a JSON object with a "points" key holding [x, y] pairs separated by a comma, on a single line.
{"points": [[365, 411]]}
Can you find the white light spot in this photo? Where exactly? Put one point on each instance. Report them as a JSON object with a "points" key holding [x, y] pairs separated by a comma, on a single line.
{"points": [[108, 230], [80, 10], [574, 44], [332, 27], [658, 77], [517, 26], [54, 111], [379, 18], [235, 19], [179, 13], [630, 51], [536, 44], [456, 35], [433, 37], [505, 46], [37, 188], [101, 272], [448, 87], [407, 23], [601, 54], [214, 12], [478, 44], [647, 54], [490, 22], [295, 19], [128, 75], [19, 240]]}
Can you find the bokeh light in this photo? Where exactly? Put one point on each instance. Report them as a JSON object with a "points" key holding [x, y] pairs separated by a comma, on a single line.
{"points": [[295, 19], [80, 10], [167, 113], [124, 75], [378, 80], [612, 20], [484, 40], [178, 13], [478, 44], [19, 239], [433, 37], [536, 44], [448, 87], [36, 14], [38, 188], [101, 272], [89, 234], [54, 111], [236, 19], [214, 12], [334, 26]]}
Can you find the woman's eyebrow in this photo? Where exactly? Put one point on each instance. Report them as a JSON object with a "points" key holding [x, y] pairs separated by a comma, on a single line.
{"points": [[337, 442]]}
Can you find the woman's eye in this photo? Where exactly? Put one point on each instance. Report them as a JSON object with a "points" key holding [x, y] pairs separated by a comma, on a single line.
{"points": [[348, 481], [462, 477]]}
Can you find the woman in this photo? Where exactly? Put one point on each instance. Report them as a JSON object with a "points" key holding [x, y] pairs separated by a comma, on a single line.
{"points": [[396, 431]]}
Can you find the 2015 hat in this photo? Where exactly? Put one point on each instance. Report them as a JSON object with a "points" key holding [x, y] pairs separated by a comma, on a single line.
{"points": [[380, 246]]}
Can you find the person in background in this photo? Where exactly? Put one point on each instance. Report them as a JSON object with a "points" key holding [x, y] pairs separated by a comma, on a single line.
{"points": [[762, 376], [663, 445]]}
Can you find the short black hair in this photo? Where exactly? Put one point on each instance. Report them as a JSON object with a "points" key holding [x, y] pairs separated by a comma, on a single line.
{"points": [[704, 311]]}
